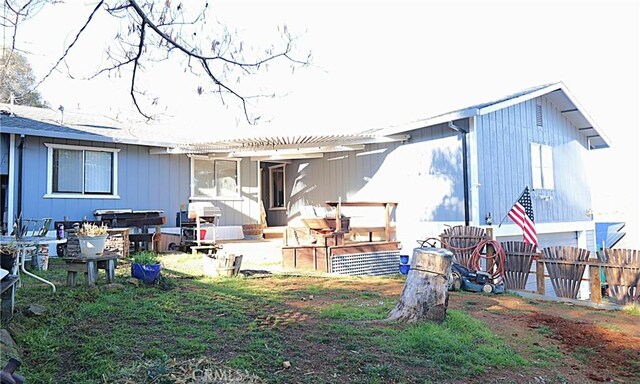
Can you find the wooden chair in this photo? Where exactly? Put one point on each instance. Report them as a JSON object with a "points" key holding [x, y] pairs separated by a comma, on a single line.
{"points": [[519, 257], [462, 242], [32, 227], [566, 267], [622, 271]]}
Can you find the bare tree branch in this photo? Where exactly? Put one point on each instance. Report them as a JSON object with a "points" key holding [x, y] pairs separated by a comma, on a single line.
{"points": [[66, 51], [136, 64], [158, 30]]}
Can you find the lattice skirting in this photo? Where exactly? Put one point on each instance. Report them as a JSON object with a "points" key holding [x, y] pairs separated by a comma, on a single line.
{"points": [[367, 264]]}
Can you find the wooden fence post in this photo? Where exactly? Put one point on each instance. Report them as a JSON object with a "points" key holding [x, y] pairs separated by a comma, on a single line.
{"points": [[490, 252], [539, 277], [594, 279]]}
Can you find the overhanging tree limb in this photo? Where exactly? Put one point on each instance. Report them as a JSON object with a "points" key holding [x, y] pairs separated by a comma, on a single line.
{"points": [[159, 26], [66, 51]]}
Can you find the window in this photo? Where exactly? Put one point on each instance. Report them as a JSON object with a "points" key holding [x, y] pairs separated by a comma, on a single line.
{"points": [[276, 187], [542, 166], [214, 178], [82, 172]]}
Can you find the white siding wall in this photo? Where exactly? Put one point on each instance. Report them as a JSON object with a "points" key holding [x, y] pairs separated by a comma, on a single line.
{"points": [[424, 176]]}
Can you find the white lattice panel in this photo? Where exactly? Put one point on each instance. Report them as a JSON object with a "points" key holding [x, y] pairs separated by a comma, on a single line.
{"points": [[367, 264]]}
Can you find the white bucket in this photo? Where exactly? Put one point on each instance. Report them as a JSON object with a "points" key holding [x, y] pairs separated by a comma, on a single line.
{"points": [[92, 245]]}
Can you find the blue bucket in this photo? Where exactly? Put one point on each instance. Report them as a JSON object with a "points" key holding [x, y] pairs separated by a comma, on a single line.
{"points": [[404, 259], [148, 273], [404, 268]]}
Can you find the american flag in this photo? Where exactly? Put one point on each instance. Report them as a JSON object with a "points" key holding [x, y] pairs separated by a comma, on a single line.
{"points": [[522, 214]]}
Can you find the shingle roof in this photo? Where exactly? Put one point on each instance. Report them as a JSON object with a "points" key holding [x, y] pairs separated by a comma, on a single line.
{"points": [[46, 122], [83, 126]]}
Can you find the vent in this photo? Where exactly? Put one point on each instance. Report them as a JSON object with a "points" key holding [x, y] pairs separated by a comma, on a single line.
{"points": [[539, 115], [367, 264]]}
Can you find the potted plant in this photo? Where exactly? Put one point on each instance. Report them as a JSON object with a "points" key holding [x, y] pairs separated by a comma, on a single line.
{"points": [[92, 238], [8, 256], [145, 266]]}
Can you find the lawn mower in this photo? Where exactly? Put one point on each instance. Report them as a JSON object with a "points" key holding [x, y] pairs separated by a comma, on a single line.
{"points": [[462, 278], [473, 281]]}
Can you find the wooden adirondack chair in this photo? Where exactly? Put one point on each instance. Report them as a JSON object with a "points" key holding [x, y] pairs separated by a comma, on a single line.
{"points": [[622, 271], [462, 241], [519, 257], [566, 267]]}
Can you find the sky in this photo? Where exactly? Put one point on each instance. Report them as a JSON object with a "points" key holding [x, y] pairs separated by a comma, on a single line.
{"points": [[379, 63]]}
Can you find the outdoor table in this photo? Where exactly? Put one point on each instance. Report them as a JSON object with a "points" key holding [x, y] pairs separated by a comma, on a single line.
{"points": [[8, 296], [23, 245], [89, 266]]}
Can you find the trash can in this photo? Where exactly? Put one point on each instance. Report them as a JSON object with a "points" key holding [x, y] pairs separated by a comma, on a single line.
{"points": [[40, 260]]}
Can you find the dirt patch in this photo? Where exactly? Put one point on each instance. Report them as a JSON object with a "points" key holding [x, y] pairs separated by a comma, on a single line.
{"points": [[593, 345], [596, 345], [609, 354]]}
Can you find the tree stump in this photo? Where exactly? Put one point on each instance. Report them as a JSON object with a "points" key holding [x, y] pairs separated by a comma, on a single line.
{"points": [[425, 295]]}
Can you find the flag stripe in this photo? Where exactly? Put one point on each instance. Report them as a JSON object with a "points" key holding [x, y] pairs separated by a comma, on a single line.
{"points": [[522, 215]]}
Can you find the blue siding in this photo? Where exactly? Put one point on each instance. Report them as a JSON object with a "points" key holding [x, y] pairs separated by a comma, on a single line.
{"points": [[144, 182], [4, 154], [504, 162]]}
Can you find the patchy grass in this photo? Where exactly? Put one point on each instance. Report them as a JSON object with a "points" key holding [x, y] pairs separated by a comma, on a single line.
{"points": [[460, 347], [251, 325], [632, 309], [544, 330], [584, 354]]}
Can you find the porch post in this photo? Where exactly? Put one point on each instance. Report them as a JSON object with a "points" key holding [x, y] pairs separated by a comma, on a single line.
{"points": [[477, 218], [260, 202]]}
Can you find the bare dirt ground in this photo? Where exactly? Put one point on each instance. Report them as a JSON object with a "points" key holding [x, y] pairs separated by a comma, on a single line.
{"points": [[589, 345], [597, 345]]}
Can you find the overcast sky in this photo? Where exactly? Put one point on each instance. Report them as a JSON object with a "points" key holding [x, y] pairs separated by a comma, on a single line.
{"points": [[388, 62]]}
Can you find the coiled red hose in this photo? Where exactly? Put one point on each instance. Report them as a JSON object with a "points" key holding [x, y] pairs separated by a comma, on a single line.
{"points": [[499, 257]]}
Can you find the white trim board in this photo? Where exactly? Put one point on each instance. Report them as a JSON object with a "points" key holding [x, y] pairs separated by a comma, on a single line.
{"points": [[544, 228]]}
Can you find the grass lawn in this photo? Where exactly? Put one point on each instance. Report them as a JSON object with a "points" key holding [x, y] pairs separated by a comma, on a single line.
{"points": [[275, 329]]}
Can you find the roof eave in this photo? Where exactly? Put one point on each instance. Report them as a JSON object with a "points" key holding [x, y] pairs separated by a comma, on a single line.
{"points": [[595, 141], [83, 137]]}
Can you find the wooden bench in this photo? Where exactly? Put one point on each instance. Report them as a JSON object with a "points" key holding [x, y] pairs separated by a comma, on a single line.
{"points": [[89, 266], [371, 230], [129, 231], [8, 296], [387, 207]]}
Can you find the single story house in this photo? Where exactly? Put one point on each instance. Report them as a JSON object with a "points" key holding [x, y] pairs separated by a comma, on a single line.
{"points": [[465, 166]]}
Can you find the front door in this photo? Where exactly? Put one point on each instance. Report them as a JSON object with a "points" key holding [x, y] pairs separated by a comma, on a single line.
{"points": [[274, 196]]}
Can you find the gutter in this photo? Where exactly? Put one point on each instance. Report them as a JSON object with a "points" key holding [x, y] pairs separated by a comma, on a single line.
{"points": [[465, 170]]}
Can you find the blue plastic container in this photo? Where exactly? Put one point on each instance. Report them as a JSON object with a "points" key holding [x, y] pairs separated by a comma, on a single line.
{"points": [[147, 273], [404, 268], [404, 259]]}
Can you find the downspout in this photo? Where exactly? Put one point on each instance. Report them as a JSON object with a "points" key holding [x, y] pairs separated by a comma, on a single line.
{"points": [[12, 183], [20, 161], [465, 170]]}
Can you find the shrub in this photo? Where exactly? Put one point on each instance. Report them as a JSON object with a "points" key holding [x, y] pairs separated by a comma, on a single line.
{"points": [[90, 229], [145, 257]]}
